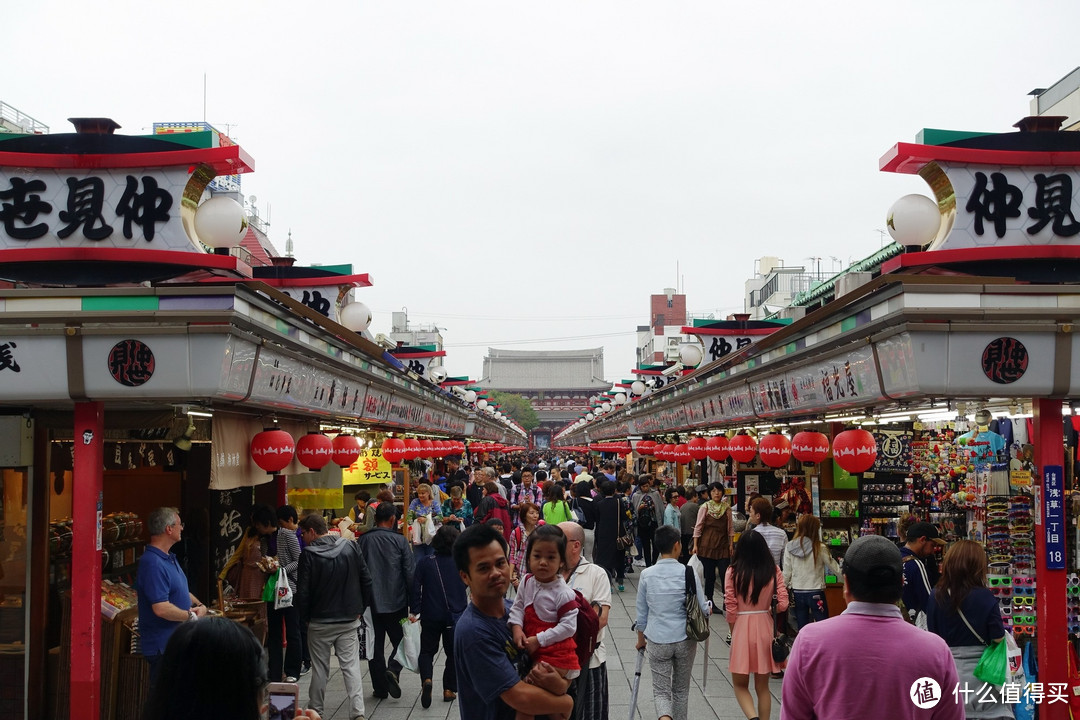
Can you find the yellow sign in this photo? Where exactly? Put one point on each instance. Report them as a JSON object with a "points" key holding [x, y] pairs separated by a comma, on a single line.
{"points": [[1020, 479], [315, 498], [371, 468]]}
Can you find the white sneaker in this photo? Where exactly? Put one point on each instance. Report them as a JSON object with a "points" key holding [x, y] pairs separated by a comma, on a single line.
{"points": [[639, 563]]}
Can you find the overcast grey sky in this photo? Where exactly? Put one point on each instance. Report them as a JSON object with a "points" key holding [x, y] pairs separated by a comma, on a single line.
{"points": [[518, 171]]}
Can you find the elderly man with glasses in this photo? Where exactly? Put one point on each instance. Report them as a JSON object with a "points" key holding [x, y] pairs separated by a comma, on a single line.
{"points": [[164, 598]]}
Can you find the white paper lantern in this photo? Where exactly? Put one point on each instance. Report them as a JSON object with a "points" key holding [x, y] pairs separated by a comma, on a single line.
{"points": [[620, 398], [356, 316], [690, 354], [220, 222], [470, 396], [606, 407], [637, 387], [589, 416], [913, 220], [481, 403]]}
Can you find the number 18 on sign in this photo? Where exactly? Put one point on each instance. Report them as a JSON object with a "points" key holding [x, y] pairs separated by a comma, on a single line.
{"points": [[1054, 517]]}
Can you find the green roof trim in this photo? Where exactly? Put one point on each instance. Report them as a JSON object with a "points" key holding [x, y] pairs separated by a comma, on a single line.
{"points": [[129, 302], [200, 139], [870, 263], [934, 136], [338, 269]]}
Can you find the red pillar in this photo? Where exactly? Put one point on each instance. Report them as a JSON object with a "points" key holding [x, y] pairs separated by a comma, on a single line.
{"points": [[86, 561], [1050, 598]]}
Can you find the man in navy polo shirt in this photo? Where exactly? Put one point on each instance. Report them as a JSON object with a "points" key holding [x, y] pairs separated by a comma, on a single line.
{"points": [[164, 599]]}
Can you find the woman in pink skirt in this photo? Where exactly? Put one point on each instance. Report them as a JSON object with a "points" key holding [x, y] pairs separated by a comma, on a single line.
{"points": [[749, 586]]}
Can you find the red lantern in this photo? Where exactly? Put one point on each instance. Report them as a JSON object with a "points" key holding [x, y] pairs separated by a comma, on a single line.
{"points": [[698, 449], [314, 450], [442, 448], [660, 451], [412, 448], [346, 449], [854, 450], [775, 450], [646, 447], [427, 449], [743, 448], [716, 448], [810, 447], [669, 453], [682, 455], [393, 449], [459, 447], [272, 450]]}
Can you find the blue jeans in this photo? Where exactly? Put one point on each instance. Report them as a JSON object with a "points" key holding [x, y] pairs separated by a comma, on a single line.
{"points": [[810, 603]]}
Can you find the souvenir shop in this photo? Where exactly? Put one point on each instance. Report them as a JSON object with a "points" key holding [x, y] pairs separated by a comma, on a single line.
{"points": [[144, 363], [944, 387]]}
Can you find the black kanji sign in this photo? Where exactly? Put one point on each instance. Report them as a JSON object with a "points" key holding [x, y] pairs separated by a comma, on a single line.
{"points": [[131, 363], [1005, 360]]}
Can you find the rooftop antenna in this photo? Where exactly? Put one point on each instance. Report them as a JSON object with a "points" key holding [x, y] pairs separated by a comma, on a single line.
{"points": [[289, 245]]}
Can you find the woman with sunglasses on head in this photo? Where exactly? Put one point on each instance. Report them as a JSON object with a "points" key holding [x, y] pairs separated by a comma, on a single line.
{"points": [[964, 612]]}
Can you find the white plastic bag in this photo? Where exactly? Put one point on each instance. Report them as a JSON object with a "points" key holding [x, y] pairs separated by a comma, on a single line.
{"points": [[284, 595], [429, 529], [1016, 661], [364, 634], [408, 652], [699, 569]]}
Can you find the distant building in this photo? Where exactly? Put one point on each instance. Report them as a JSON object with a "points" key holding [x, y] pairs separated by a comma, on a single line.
{"points": [[658, 342], [1060, 99], [13, 120], [558, 383]]}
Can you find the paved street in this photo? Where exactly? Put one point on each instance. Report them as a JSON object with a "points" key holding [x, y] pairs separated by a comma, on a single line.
{"points": [[713, 700]]}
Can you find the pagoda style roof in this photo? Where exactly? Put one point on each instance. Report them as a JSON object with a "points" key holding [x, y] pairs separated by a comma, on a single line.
{"points": [[544, 369]]}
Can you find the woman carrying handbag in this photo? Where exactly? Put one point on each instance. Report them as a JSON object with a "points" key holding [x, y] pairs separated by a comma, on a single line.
{"points": [[752, 581]]}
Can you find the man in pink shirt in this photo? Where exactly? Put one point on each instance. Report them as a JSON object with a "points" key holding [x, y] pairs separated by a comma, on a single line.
{"points": [[869, 661]]}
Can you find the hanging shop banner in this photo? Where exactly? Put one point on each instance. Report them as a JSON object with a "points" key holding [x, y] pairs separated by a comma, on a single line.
{"points": [[843, 380], [230, 513], [369, 469], [894, 451], [231, 465], [1054, 516]]}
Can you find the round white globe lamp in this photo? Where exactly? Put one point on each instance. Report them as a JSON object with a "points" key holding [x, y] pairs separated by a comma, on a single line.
{"points": [[690, 354], [356, 316], [913, 220], [220, 222]]}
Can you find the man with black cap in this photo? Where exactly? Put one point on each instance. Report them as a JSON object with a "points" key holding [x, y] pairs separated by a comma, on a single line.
{"points": [[922, 539], [905, 674]]}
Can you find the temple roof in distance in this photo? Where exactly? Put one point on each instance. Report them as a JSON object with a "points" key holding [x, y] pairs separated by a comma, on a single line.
{"points": [[544, 369]]}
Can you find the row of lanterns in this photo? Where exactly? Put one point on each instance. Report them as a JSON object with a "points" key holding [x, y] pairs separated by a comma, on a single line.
{"points": [[273, 449], [854, 450]]}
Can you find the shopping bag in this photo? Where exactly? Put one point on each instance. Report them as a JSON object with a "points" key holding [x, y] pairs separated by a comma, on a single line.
{"points": [[269, 593], [699, 569], [1072, 676], [1015, 660], [283, 596], [1025, 709], [993, 667], [408, 652], [363, 633], [429, 529]]}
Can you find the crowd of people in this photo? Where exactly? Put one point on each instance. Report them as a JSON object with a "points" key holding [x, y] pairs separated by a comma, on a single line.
{"points": [[513, 578]]}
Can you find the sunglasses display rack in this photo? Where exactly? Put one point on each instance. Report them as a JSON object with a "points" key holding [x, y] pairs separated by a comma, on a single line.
{"points": [[1072, 590], [1016, 600]]}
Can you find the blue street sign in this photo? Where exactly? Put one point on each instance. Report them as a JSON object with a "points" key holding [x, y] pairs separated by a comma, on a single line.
{"points": [[1054, 516]]}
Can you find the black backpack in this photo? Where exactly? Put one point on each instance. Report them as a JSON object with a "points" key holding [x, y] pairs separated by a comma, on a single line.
{"points": [[646, 514]]}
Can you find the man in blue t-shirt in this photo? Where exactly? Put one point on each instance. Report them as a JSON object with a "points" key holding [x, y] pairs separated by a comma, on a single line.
{"points": [[489, 686], [922, 539], [164, 598]]}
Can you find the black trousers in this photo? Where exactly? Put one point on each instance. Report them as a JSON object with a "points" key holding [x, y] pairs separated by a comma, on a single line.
{"points": [[712, 569], [646, 537], [430, 635], [385, 625], [282, 625]]}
